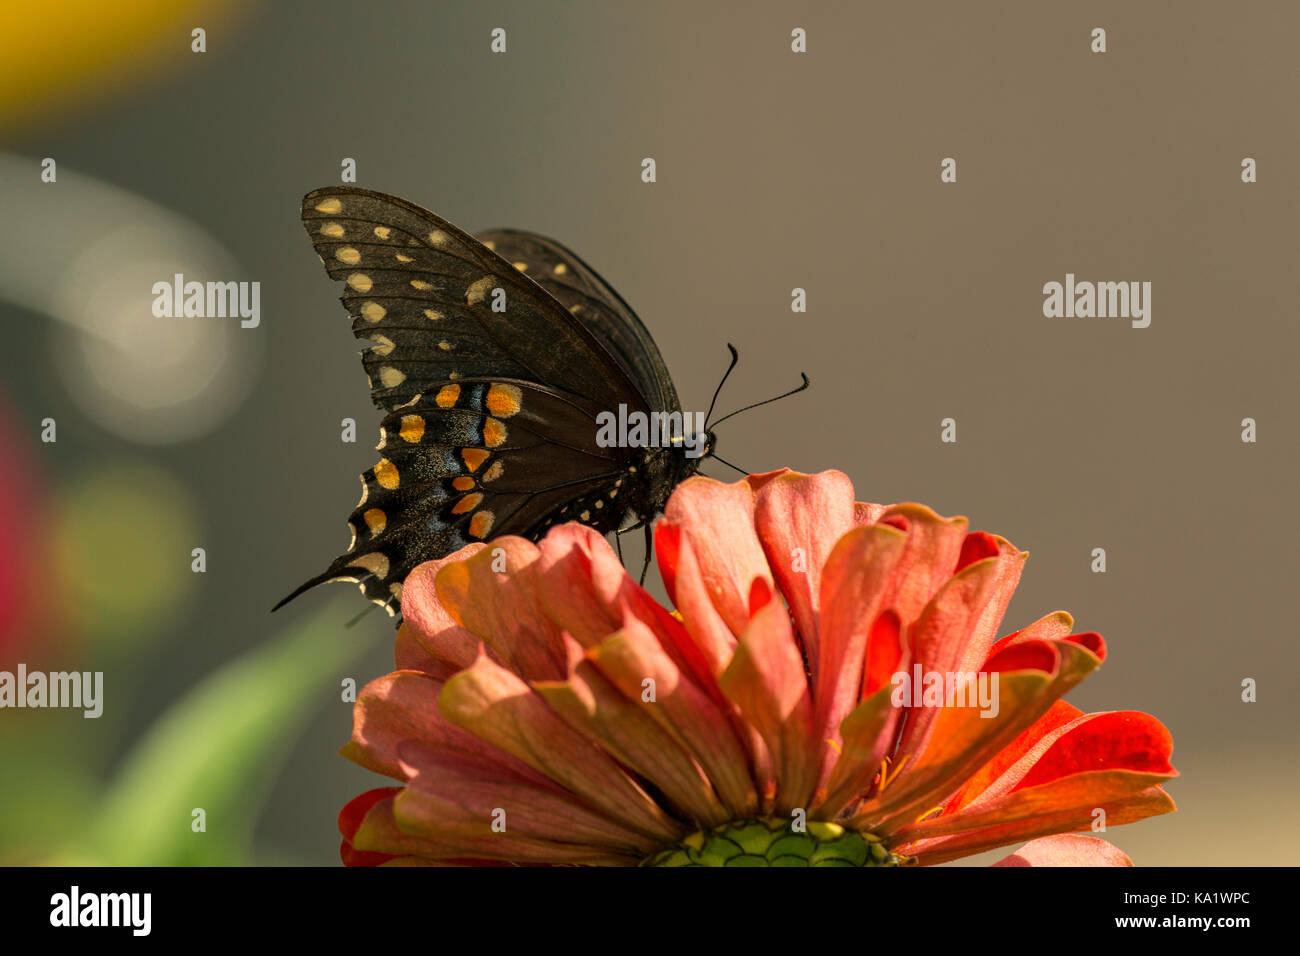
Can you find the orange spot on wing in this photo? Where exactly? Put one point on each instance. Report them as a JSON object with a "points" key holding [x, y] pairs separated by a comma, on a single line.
{"points": [[481, 524], [504, 400], [468, 503], [494, 433], [386, 474], [412, 428]]}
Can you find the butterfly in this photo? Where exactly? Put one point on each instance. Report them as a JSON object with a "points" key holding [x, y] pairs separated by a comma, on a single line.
{"points": [[496, 359]]}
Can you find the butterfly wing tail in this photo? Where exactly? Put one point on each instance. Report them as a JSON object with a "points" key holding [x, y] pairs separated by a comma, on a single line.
{"points": [[370, 583]]}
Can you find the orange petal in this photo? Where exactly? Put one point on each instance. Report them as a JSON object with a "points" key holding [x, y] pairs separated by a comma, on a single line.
{"points": [[633, 656], [766, 681], [597, 709]]}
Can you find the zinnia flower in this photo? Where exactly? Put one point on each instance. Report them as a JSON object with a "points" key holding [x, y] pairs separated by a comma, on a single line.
{"points": [[548, 710]]}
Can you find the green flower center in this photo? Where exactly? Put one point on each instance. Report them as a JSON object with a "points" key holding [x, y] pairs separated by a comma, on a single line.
{"points": [[772, 842]]}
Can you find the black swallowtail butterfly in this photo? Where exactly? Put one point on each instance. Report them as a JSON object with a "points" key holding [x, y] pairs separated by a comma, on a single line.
{"points": [[492, 357]]}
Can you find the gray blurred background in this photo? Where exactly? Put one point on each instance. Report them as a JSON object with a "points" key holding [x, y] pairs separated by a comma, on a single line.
{"points": [[775, 171]]}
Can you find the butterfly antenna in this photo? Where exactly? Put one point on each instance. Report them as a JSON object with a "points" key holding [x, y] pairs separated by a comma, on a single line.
{"points": [[730, 465], [766, 401], [735, 357]]}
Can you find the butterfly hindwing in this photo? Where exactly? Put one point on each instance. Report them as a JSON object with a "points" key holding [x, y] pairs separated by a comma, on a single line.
{"points": [[471, 460]]}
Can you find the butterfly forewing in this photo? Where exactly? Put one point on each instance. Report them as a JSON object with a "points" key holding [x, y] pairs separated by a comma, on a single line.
{"points": [[593, 301], [437, 305]]}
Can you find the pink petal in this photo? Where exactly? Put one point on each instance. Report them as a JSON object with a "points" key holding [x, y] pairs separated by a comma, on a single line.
{"points": [[710, 635], [497, 706], [928, 559], [623, 729], [450, 795], [766, 682], [799, 520], [1067, 849], [718, 522], [633, 656], [853, 585], [502, 607], [432, 626]]}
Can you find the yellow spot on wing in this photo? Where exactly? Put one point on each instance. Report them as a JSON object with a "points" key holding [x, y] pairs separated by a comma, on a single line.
{"points": [[474, 457], [383, 232], [432, 315], [329, 206], [376, 520], [373, 311], [386, 474], [412, 428], [445, 345], [391, 377], [383, 345], [490, 245], [468, 503], [521, 266], [504, 400], [348, 256], [478, 291], [481, 524], [360, 281], [332, 229], [494, 433], [560, 269], [402, 258], [493, 473], [375, 563], [421, 285], [439, 238], [447, 396]]}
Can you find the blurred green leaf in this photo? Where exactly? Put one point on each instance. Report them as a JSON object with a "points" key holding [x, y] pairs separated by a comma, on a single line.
{"points": [[218, 747]]}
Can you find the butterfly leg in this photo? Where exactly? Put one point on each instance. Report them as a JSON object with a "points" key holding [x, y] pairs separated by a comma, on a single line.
{"points": [[649, 547]]}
